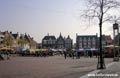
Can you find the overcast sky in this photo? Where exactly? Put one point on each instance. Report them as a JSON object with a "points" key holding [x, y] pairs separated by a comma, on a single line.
{"points": [[40, 17]]}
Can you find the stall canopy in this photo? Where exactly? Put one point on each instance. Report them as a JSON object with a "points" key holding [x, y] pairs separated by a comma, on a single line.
{"points": [[87, 49], [6, 48], [81, 49], [23, 49], [60, 50], [111, 46], [94, 49]]}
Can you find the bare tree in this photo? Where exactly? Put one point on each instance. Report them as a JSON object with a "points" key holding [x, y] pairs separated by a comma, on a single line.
{"points": [[100, 10]]}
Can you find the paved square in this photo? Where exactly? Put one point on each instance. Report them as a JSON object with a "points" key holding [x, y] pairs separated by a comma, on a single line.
{"points": [[47, 67]]}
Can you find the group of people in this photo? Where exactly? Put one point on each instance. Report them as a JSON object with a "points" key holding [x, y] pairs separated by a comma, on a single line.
{"points": [[4, 55], [72, 54]]}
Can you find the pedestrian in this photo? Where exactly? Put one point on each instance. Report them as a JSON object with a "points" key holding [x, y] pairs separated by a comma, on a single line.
{"points": [[8, 56], [72, 53], [1, 57], [90, 54], [65, 54], [78, 54]]}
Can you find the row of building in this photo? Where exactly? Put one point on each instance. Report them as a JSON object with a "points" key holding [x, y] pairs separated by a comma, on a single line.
{"points": [[16, 40], [59, 43], [82, 41]]}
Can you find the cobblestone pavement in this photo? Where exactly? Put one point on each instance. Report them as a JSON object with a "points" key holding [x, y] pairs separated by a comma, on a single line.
{"points": [[110, 72], [47, 67]]}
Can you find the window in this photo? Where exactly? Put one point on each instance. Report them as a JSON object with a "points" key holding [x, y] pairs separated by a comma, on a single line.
{"points": [[85, 39], [85, 46], [85, 43], [89, 45], [89, 39], [80, 46], [80, 39], [53, 41], [50, 42], [93, 43], [93, 39], [45, 42]]}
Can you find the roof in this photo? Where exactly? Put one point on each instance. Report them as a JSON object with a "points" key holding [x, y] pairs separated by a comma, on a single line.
{"points": [[79, 36], [60, 37], [15, 36], [86, 36], [27, 37], [49, 37], [108, 37], [4, 32], [21, 36], [68, 37]]}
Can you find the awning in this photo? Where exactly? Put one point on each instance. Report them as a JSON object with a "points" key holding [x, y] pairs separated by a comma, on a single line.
{"points": [[94, 49], [60, 50], [81, 49], [111, 46], [53, 50], [87, 49], [6, 48], [23, 49]]}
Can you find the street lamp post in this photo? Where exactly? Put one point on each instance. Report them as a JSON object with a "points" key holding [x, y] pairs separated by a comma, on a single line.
{"points": [[115, 28]]}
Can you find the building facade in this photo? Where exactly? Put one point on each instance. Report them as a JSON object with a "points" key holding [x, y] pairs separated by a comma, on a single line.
{"points": [[31, 41], [60, 42], [106, 40], [22, 42], [68, 42], [86, 41], [1, 39], [49, 42], [15, 38]]}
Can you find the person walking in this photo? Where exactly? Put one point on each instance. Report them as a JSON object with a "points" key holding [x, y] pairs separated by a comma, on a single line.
{"points": [[78, 54], [8, 55], [72, 52], [65, 54]]}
